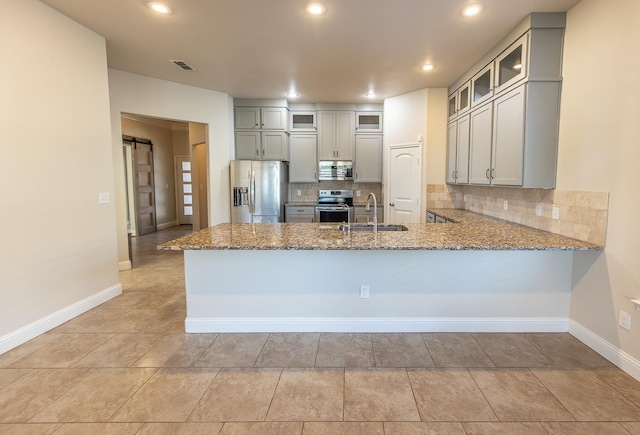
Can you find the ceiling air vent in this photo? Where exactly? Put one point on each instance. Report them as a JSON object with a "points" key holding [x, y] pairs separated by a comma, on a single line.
{"points": [[184, 66]]}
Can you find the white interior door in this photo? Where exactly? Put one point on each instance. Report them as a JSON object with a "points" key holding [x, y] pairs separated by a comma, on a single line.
{"points": [[403, 199]]}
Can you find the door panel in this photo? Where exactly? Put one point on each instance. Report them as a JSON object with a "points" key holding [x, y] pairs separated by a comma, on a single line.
{"points": [[404, 185], [185, 190], [144, 188]]}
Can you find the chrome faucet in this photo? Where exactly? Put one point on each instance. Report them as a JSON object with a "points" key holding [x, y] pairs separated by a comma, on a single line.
{"points": [[375, 211], [348, 216]]}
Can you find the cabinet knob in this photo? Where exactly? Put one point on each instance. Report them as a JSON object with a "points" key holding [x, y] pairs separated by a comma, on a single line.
{"points": [[391, 204]]}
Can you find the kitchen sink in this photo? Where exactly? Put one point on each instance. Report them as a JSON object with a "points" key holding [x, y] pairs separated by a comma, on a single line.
{"points": [[367, 227]]}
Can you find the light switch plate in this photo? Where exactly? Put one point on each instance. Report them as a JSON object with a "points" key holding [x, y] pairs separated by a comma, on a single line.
{"points": [[555, 213], [624, 320], [103, 198], [505, 205], [538, 209]]}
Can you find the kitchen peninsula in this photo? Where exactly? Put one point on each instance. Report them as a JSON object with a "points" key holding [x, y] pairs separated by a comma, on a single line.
{"points": [[476, 274]]}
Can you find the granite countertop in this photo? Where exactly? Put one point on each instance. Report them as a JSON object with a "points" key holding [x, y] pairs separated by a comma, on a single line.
{"points": [[470, 232]]}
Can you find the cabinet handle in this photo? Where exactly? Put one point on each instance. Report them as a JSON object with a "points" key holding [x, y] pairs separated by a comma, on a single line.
{"points": [[256, 125], [486, 174], [262, 152], [257, 152], [391, 204], [493, 173]]}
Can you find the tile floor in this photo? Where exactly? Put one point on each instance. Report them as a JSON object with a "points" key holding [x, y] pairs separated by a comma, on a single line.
{"points": [[126, 367]]}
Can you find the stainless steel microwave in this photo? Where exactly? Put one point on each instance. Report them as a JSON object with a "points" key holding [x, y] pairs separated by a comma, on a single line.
{"points": [[335, 170]]}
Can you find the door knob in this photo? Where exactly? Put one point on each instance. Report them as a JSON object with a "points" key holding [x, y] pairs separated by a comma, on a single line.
{"points": [[392, 204]]}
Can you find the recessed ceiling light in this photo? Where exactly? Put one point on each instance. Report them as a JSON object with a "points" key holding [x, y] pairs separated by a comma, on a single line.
{"points": [[316, 9], [161, 8], [427, 67], [370, 94], [472, 9], [293, 94]]}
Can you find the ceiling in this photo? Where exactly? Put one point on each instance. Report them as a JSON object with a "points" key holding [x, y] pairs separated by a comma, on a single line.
{"points": [[265, 48]]}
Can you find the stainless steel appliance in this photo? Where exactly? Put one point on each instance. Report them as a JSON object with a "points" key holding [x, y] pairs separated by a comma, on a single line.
{"points": [[334, 206], [258, 190], [335, 170]]}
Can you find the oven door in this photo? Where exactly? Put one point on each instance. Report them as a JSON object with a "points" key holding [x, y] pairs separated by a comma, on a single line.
{"points": [[326, 213]]}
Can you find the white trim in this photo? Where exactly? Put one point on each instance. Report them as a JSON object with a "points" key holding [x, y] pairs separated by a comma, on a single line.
{"points": [[124, 265], [33, 329], [614, 354], [166, 225], [370, 324]]}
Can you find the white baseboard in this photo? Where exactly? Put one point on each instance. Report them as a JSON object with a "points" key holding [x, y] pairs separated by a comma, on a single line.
{"points": [[608, 350], [32, 330], [367, 324], [124, 265], [166, 225]]}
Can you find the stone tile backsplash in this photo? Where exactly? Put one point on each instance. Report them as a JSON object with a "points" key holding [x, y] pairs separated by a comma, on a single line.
{"points": [[309, 191], [582, 214]]}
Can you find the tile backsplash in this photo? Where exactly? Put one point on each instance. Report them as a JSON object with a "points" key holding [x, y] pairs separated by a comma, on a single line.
{"points": [[309, 191], [582, 214]]}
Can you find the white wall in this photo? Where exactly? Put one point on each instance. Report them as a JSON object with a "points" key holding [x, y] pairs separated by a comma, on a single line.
{"points": [[132, 93], [58, 243], [599, 133]]}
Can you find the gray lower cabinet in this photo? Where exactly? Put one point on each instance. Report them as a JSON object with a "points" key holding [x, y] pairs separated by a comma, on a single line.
{"points": [[299, 214], [303, 163]]}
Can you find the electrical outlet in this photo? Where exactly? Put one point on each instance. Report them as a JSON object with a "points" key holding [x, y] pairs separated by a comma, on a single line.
{"points": [[464, 198], [555, 213], [357, 193], [505, 205], [299, 192], [103, 198], [538, 209], [364, 292], [624, 320]]}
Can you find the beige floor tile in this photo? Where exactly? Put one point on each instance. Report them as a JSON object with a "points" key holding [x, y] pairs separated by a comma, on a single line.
{"points": [[632, 428], [238, 395], [8, 376], [29, 428], [343, 428], [456, 350], [392, 428], [449, 395], [133, 321], [63, 352], [90, 322], [27, 396], [289, 350], [171, 322], [269, 428], [511, 350], [169, 396], [588, 397], [517, 395], [99, 429], [180, 429], [378, 395], [176, 350], [531, 428], [580, 428], [308, 395], [233, 350], [15, 354], [566, 351], [625, 384], [344, 350], [121, 351], [401, 350], [97, 397]]}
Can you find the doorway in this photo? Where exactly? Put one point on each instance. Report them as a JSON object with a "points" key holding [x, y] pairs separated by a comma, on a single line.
{"points": [[403, 184]]}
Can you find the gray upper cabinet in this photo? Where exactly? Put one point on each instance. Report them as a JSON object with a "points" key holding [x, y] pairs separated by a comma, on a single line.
{"points": [[265, 145], [303, 121], [368, 122], [458, 151], [514, 108], [303, 167], [336, 134], [368, 164], [261, 118]]}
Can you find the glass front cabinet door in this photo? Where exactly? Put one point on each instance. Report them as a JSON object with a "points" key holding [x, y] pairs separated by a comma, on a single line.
{"points": [[453, 105], [511, 66], [482, 86], [464, 100]]}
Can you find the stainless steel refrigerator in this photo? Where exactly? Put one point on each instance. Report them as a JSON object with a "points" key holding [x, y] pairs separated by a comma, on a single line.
{"points": [[258, 190]]}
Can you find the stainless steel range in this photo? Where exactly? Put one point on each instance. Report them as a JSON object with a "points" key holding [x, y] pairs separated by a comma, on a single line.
{"points": [[334, 206]]}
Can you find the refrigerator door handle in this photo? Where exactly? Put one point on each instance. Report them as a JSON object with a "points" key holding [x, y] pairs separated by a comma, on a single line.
{"points": [[252, 193]]}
